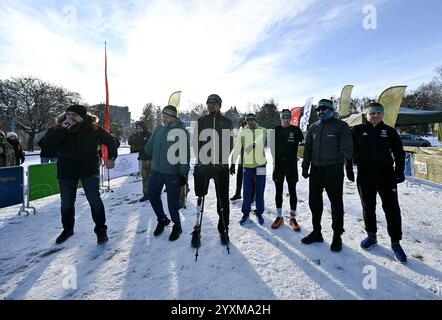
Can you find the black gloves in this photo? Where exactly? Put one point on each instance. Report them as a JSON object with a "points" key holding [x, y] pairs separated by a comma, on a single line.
{"points": [[183, 180], [305, 173], [399, 176], [349, 170], [232, 169]]}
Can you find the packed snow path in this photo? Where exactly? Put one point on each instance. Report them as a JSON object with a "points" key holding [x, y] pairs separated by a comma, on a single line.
{"points": [[263, 263]]}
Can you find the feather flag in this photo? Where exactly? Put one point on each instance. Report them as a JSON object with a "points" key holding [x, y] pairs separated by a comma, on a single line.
{"points": [[104, 150], [391, 99], [174, 100], [306, 117], [296, 116], [344, 105]]}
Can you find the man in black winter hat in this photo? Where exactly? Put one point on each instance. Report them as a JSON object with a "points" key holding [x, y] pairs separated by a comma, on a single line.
{"points": [[76, 138]]}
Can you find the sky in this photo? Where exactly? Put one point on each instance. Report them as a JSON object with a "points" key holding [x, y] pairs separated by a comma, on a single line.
{"points": [[245, 51]]}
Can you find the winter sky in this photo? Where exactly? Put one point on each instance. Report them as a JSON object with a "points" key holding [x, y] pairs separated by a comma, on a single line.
{"points": [[246, 51]]}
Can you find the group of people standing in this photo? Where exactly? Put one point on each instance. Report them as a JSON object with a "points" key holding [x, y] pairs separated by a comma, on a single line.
{"points": [[330, 148], [11, 151]]}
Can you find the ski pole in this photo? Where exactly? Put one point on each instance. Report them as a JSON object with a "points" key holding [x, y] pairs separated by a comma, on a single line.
{"points": [[200, 218]]}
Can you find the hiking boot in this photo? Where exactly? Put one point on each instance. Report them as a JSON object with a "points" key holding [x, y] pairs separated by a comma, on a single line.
{"points": [[101, 235], [313, 237], [144, 198], [65, 234], [176, 231], [244, 218], [369, 242], [235, 197], [399, 253], [196, 237], [294, 224], [160, 227], [260, 218], [336, 244], [224, 236], [278, 222]]}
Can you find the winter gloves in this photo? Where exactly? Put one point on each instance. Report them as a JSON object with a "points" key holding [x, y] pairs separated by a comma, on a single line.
{"points": [[399, 175], [305, 173], [349, 170], [232, 169]]}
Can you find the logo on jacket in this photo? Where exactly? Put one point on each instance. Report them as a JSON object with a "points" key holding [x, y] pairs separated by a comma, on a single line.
{"points": [[384, 134], [365, 134]]}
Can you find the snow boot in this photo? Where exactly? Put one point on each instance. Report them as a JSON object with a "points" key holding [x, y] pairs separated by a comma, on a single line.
{"points": [[260, 218], [278, 222], [160, 227], [336, 244], [294, 224], [101, 235], [313, 237], [244, 218], [235, 197], [369, 242], [176, 231], [65, 234], [399, 253]]}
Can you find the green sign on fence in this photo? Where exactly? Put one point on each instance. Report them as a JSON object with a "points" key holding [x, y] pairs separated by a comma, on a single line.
{"points": [[43, 181]]}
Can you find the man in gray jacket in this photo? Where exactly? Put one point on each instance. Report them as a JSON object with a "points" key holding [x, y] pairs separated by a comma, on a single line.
{"points": [[327, 146], [169, 148]]}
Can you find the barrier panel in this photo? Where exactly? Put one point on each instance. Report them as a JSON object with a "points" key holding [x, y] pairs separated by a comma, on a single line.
{"points": [[11, 186], [42, 180], [125, 165], [428, 167]]}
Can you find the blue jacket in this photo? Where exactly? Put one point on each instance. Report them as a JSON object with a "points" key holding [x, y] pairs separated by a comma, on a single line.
{"points": [[158, 148]]}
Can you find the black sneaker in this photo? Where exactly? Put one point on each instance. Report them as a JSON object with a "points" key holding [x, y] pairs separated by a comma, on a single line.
{"points": [[65, 234], [144, 198], [336, 244], [313, 237], [224, 238], [101, 235], [160, 227], [196, 237], [176, 231], [235, 197]]}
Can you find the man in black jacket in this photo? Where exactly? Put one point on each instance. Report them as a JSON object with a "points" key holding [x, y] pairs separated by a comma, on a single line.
{"points": [[137, 141], [76, 138], [328, 144], [286, 139], [214, 130], [379, 172]]}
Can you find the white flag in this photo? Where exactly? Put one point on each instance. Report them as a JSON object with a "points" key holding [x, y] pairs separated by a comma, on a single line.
{"points": [[306, 116]]}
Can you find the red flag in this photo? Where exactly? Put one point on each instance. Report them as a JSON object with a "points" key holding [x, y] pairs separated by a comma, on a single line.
{"points": [[104, 150], [296, 116]]}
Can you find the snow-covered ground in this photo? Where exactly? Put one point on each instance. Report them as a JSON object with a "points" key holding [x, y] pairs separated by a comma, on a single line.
{"points": [[263, 263]]}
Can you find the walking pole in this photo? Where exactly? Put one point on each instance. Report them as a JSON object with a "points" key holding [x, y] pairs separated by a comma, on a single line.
{"points": [[108, 182], [199, 216], [225, 230]]}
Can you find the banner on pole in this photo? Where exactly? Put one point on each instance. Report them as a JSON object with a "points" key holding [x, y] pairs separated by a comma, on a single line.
{"points": [[296, 116], [306, 117], [125, 165], [11, 186]]}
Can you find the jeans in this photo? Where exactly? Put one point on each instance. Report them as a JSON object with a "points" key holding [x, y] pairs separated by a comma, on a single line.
{"points": [[68, 193]]}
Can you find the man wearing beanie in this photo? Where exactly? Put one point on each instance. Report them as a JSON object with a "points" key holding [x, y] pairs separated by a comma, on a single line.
{"points": [[380, 158], [328, 145], [168, 168], [284, 144], [215, 131], [76, 138]]}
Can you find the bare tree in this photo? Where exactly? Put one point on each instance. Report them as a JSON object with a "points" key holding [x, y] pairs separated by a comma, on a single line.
{"points": [[31, 104]]}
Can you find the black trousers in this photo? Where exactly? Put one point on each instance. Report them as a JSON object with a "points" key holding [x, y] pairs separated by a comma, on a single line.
{"points": [[369, 185], [330, 178], [292, 179], [220, 175]]}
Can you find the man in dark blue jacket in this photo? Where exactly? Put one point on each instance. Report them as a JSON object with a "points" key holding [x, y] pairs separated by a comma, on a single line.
{"points": [[76, 138], [380, 159]]}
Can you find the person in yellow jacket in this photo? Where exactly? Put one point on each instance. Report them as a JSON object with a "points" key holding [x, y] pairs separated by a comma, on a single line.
{"points": [[252, 138]]}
